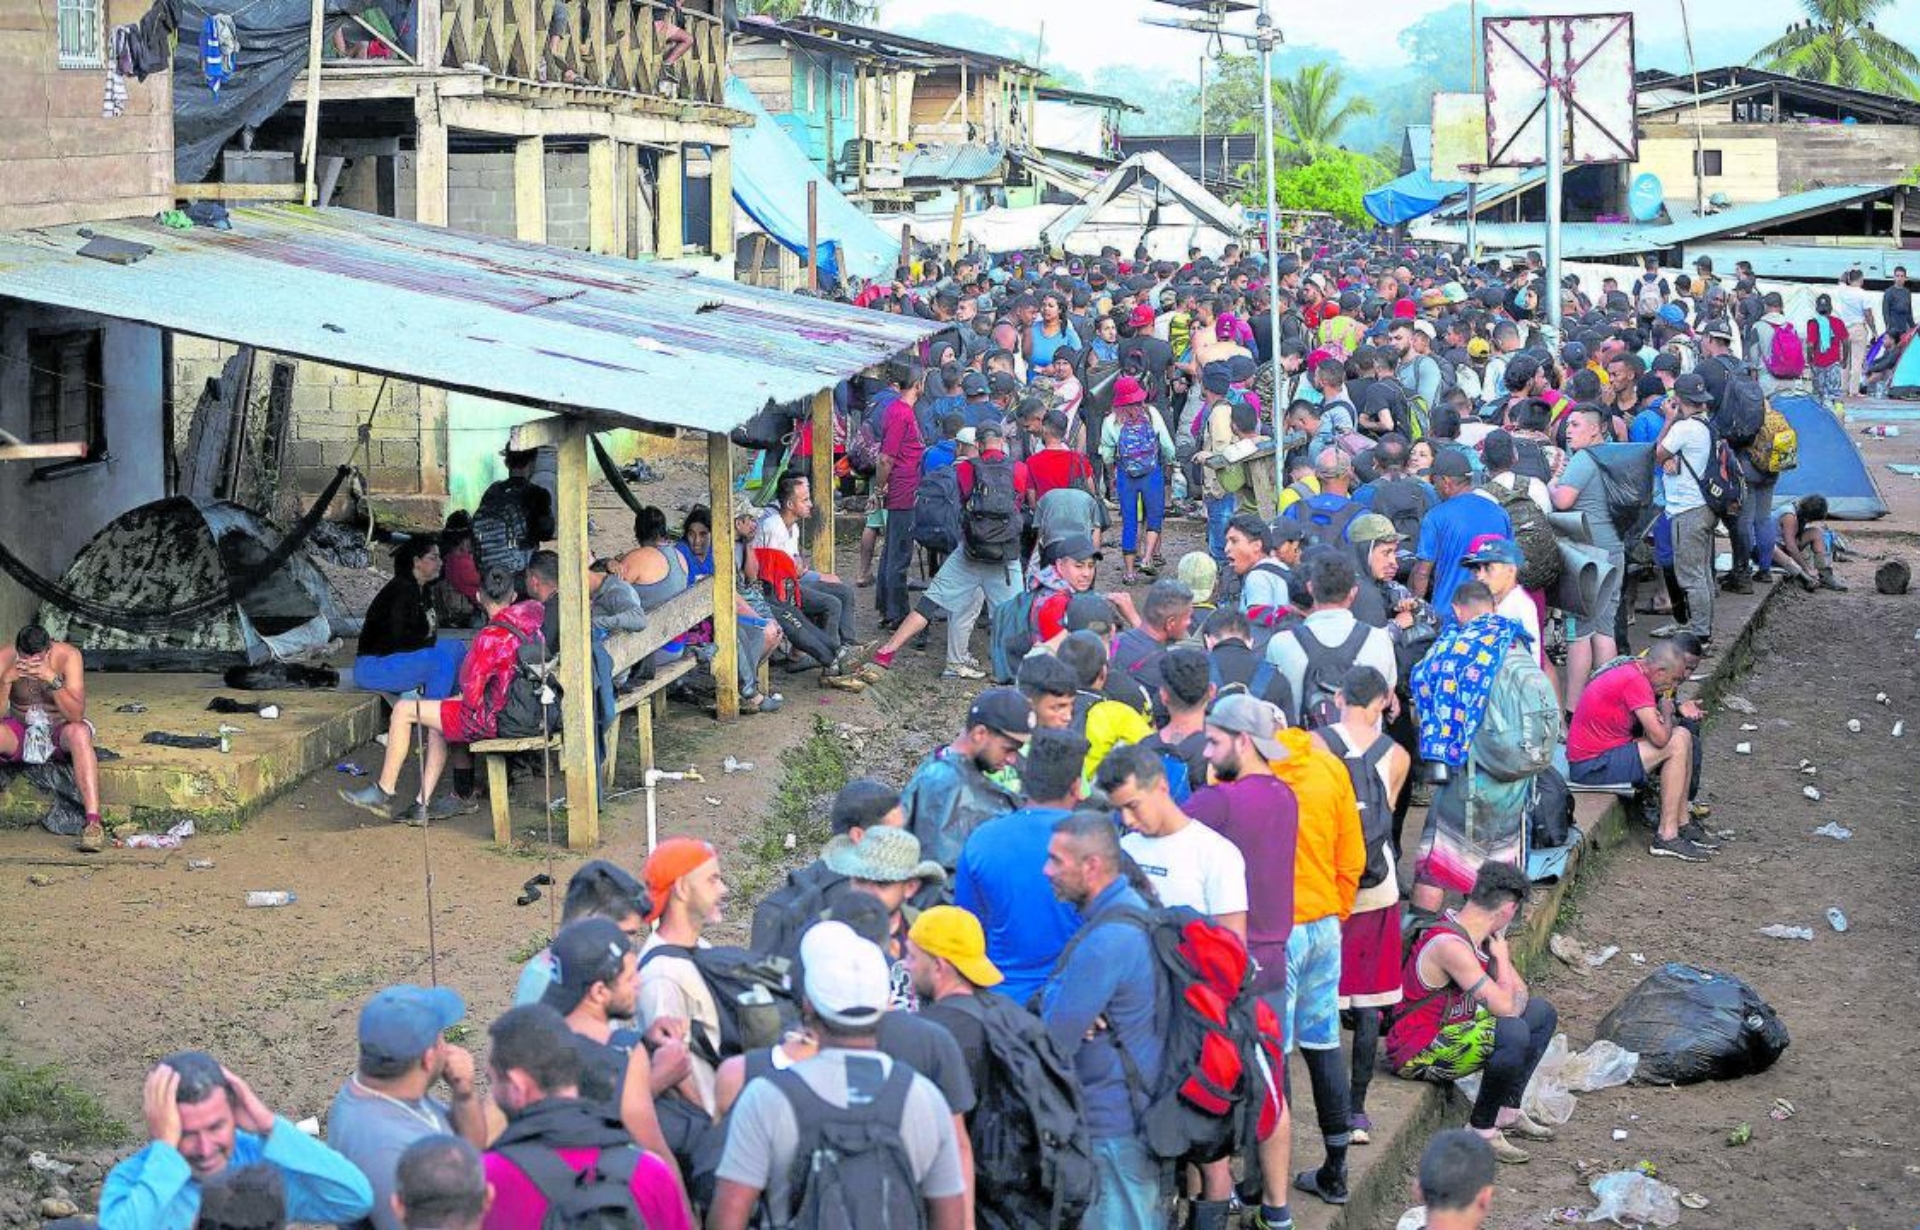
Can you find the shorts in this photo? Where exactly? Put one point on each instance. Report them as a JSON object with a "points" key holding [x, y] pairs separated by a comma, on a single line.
{"points": [[1620, 767], [960, 577], [1607, 612], [1311, 1015], [877, 519], [1458, 1050], [1370, 959], [18, 725]]}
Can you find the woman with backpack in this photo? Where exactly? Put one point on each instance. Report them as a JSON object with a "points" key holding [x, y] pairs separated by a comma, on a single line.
{"points": [[1826, 351], [1135, 445], [486, 676]]}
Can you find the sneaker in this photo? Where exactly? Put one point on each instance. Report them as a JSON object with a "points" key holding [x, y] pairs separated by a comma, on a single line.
{"points": [[1737, 583], [371, 798], [93, 838], [1694, 832], [963, 670], [1362, 1130], [1666, 630], [1527, 1129], [1505, 1150], [446, 807], [1260, 1222], [1676, 847], [1331, 1188]]}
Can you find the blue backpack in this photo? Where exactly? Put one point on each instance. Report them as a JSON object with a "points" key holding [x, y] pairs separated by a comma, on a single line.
{"points": [[1010, 635], [1138, 449]]}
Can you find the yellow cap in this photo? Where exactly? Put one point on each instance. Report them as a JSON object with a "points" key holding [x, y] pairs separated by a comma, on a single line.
{"points": [[953, 934]]}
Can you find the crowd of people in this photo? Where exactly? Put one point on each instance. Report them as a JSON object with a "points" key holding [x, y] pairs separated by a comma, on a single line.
{"points": [[997, 996]]}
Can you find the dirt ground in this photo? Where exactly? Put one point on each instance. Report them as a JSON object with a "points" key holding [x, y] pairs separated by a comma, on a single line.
{"points": [[1850, 1153], [127, 956]]}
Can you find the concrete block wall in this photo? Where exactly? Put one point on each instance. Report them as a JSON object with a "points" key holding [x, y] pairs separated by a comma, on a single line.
{"points": [[480, 194]]}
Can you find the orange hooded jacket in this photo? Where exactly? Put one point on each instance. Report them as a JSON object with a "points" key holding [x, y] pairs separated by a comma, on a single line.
{"points": [[1330, 852]]}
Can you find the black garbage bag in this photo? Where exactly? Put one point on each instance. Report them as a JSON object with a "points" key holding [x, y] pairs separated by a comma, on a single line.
{"points": [[1693, 1025]]}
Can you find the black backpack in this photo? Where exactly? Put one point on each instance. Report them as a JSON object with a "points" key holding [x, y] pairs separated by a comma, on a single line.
{"points": [[851, 1170], [500, 528], [990, 525], [1376, 809], [789, 910], [1403, 502], [936, 510], [1532, 533], [752, 995], [1327, 666], [532, 704], [597, 1198], [1742, 408], [1032, 1159]]}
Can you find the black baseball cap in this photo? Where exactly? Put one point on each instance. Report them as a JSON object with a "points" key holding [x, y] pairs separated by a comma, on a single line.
{"points": [[1004, 711], [1003, 382], [1074, 547], [586, 951], [1450, 463], [1665, 361], [1692, 388], [1283, 530], [973, 384]]}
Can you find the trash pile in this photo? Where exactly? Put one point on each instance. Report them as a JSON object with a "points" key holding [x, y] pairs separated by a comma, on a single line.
{"points": [[1691, 1025]]}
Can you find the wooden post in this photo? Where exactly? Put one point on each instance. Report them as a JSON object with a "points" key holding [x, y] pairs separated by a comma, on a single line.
{"points": [[310, 135], [576, 642], [720, 197], [860, 118], [530, 189], [965, 131], [813, 235], [726, 628], [429, 39], [603, 196], [959, 216], [669, 212], [430, 158], [906, 243], [822, 479]]}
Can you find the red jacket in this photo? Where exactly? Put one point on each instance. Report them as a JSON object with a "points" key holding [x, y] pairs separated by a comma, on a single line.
{"points": [[1831, 355], [488, 667]]}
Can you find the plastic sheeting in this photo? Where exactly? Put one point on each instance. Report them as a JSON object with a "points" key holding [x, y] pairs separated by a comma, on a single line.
{"points": [[1414, 195], [1830, 465], [273, 50], [1906, 373], [770, 177]]}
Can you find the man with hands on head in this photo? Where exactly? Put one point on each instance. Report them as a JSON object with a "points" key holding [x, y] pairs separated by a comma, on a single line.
{"points": [[203, 1120]]}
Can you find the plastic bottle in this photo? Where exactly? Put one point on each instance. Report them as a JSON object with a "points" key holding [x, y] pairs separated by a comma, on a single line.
{"points": [[37, 746], [1837, 919], [1885, 431], [261, 897], [1780, 931]]}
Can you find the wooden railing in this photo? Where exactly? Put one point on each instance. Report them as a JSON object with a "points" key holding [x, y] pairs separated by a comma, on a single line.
{"points": [[607, 44]]}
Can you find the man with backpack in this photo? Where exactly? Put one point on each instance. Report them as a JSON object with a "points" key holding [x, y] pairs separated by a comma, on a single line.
{"points": [[563, 1161], [1650, 291], [1685, 450], [1583, 488], [1739, 415], [1448, 531], [1316, 653], [1102, 1007], [513, 518], [1326, 514], [683, 881], [849, 1137], [1166, 616], [781, 916], [1395, 494], [1234, 665], [1186, 688], [985, 571]]}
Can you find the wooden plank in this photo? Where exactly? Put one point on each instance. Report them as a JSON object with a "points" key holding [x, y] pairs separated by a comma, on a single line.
{"points": [[822, 480], [670, 619], [720, 197], [430, 159], [669, 216], [530, 189], [237, 192], [310, 131], [726, 629], [603, 197], [576, 643], [42, 452]]}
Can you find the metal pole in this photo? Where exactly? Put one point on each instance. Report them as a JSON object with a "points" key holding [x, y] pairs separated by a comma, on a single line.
{"points": [[1473, 221], [1556, 154], [1264, 25], [1203, 121], [813, 235]]}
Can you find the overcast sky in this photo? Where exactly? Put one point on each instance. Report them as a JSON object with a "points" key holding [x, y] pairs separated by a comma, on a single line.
{"points": [[1086, 35]]}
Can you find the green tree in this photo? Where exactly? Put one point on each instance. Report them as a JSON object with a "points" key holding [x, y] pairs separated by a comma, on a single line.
{"points": [[857, 11], [1839, 45], [1333, 182], [1311, 109]]}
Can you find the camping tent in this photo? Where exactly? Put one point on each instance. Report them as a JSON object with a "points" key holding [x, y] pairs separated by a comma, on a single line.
{"points": [[175, 552], [1905, 381], [1830, 465]]}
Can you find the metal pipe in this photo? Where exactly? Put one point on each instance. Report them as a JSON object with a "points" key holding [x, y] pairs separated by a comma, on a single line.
{"points": [[1203, 121], [1264, 25], [1556, 170]]}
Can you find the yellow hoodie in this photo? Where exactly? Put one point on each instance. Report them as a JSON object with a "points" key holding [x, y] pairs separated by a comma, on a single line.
{"points": [[1330, 852]]}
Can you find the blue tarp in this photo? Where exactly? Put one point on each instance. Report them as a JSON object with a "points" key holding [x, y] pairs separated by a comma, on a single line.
{"points": [[1414, 195], [1830, 465], [770, 175], [1905, 381]]}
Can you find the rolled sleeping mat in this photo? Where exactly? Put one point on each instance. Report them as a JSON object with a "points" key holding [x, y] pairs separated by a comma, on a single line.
{"points": [[1570, 526], [1583, 574]]}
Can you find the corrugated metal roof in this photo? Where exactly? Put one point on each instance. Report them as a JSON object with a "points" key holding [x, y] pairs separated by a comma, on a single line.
{"points": [[1768, 213], [613, 339], [953, 163]]}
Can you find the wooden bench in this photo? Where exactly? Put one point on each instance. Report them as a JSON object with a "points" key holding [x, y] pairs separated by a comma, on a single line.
{"points": [[646, 702]]}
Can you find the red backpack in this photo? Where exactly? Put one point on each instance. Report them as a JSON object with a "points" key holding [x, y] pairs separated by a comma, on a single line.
{"points": [[1219, 1089]]}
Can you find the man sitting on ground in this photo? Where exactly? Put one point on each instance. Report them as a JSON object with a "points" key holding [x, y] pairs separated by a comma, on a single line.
{"points": [[1628, 725], [47, 677], [203, 1122], [1468, 1010]]}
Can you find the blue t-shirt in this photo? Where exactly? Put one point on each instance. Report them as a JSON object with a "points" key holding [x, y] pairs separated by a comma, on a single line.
{"points": [[1446, 533], [938, 456], [1001, 879]]}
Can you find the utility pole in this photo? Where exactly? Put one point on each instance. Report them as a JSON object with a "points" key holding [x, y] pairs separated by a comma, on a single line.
{"points": [[1265, 36]]}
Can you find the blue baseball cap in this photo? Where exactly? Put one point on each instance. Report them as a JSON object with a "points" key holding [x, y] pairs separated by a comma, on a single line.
{"points": [[403, 1022], [1489, 549]]}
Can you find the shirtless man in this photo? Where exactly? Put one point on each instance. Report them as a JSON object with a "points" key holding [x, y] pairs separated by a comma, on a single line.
{"points": [[42, 673]]}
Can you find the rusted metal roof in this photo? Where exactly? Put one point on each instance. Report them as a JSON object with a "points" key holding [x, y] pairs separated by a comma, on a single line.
{"points": [[594, 336]]}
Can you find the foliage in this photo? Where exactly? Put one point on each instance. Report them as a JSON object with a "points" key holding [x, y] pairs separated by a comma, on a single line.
{"points": [[1333, 181], [1839, 45], [44, 1104], [859, 11], [1310, 109]]}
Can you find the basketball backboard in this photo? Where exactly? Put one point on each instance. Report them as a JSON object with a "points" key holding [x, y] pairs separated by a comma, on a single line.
{"points": [[1589, 59]]}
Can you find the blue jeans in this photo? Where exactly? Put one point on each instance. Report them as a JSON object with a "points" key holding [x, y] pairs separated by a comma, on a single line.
{"points": [[1129, 1192], [1220, 510], [436, 669], [1146, 497]]}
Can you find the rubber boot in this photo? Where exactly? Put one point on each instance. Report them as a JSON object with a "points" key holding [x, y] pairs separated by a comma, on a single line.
{"points": [[1209, 1214], [1829, 581]]}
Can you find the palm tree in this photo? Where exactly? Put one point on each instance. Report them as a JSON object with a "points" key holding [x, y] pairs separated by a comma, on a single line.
{"points": [[1311, 110], [1838, 45]]}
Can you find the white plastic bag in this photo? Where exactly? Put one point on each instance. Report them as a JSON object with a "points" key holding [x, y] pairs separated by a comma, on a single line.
{"points": [[1563, 1073], [1629, 1198], [1414, 1218], [1601, 1066]]}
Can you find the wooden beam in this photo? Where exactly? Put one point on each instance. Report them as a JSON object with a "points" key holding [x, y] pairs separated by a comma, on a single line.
{"points": [[669, 210], [43, 452], [720, 197], [822, 479], [603, 196], [576, 644], [310, 133], [530, 189], [237, 192], [726, 628], [551, 430], [430, 159]]}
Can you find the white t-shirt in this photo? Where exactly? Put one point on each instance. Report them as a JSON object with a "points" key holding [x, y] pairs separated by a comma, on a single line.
{"points": [[773, 531], [672, 987], [1851, 304], [1689, 440], [1517, 606], [1195, 867]]}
